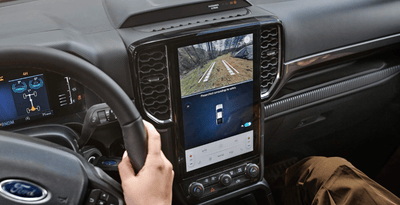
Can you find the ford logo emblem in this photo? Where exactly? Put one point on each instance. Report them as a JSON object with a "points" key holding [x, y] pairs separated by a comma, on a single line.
{"points": [[21, 190]]}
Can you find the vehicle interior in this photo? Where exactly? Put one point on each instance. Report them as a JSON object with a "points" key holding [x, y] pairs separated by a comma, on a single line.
{"points": [[238, 90]]}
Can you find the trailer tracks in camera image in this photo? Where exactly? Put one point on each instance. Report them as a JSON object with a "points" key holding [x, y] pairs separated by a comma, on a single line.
{"points": [[221, 71]]}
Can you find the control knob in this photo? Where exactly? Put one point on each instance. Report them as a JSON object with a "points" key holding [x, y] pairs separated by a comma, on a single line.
{"points": [[252, 170], [225, 179], [196, 189]]}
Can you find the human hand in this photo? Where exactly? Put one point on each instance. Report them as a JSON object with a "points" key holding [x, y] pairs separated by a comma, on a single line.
{"points": [[153, 183]]}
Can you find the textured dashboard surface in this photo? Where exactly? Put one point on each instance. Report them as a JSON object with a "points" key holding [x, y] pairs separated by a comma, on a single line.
{"points": [[74, 26], [314, 26], [83, 28]]}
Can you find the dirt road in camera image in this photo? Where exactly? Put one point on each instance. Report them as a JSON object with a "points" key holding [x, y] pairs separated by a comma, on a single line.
{"points": [[221, 71]]}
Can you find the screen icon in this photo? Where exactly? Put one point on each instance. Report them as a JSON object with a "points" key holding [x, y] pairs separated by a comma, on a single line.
{"points": [[219, 109]]}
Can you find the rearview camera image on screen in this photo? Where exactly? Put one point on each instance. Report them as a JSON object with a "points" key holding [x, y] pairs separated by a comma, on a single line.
{"points": [[215, 64], [217, 100]]}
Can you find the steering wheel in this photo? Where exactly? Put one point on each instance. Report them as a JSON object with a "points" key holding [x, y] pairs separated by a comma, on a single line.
{"points": [[29, 166]]}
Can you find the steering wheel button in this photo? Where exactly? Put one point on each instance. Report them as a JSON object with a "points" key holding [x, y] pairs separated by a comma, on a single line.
{"points": [[91, 201], [102, 116], [104, 196], [108, 114], [100, 202], [93, 197], [94, 119], [112, 201]]}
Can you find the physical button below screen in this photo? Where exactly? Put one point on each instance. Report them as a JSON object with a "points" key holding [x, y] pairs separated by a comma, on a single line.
{"points": [[213, 189], [240, 170], [214, 179], [239, 180], [205, 181]]}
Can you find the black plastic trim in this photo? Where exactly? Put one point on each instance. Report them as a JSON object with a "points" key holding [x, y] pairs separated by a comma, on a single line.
{"points": [[125, 14], [259, 185], [300, 101]]}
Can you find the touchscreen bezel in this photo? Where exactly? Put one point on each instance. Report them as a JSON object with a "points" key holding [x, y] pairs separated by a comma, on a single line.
{"points": [[174, 73]]}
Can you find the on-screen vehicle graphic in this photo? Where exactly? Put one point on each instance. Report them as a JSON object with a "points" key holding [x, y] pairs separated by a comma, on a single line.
{"points": [[219, 109], [21, 87], [32, 108]]}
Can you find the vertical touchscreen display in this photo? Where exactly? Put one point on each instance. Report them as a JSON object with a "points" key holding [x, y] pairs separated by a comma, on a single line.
{"points": [[216, 80]]}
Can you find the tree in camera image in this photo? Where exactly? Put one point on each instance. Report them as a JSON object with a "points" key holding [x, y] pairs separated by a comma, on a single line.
{"points": [[215, 64]]}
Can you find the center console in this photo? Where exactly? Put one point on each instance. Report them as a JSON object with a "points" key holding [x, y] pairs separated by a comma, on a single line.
{"points": [[205, 85], [219, 101]]}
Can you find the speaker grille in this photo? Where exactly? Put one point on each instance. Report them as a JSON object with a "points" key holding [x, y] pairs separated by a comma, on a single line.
{"points": [[154, 83], [270, 59]]}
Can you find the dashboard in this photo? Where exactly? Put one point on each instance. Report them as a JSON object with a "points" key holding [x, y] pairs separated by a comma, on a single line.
{"points": [[233, 87]]}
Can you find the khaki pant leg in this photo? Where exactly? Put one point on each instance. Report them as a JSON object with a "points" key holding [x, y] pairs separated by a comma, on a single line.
{"points": [[321, 180]]}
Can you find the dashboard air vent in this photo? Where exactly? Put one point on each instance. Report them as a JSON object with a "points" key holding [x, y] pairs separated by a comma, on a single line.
{"points": [[154, 83], [270, 59]]}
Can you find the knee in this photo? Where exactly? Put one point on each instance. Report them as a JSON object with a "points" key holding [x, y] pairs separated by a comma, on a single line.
{"points": [[330, 163], [322, 168], [315, 169], [308, 175]]}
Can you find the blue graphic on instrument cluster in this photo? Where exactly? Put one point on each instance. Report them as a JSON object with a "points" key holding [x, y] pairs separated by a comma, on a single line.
{"points": [[23, 99]]}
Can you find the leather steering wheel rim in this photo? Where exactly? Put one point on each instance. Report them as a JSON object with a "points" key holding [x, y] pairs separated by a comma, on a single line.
{"points": [[94, 79]]}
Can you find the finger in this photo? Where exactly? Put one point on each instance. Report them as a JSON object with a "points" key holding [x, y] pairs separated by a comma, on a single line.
{"points": [[171, 179], [171, 182], [125, 168], [165, 159], [169, 167], [154, 139], [170, 175]]}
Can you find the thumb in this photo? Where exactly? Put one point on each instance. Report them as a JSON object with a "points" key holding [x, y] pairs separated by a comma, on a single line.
{"points": [[125, 168]]}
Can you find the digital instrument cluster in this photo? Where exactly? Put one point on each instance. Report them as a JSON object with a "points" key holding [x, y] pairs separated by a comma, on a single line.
{"points": [[33, 94]]}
